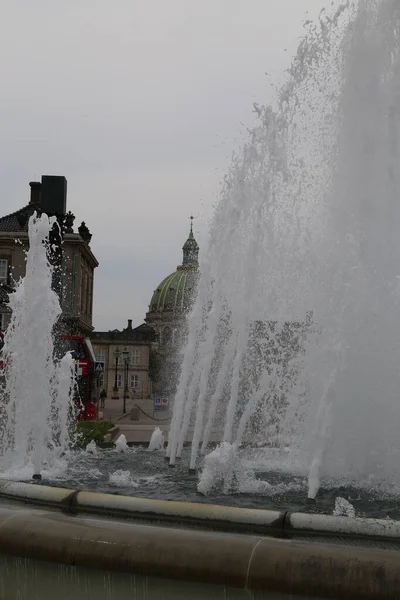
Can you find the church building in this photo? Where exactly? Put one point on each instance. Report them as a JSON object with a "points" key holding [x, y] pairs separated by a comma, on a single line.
{"points": [[168, 309]]}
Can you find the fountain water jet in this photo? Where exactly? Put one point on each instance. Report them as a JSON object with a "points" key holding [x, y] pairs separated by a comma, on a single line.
{"points": [[121, 445], [156, 440], [35, 402], [308, 221]]}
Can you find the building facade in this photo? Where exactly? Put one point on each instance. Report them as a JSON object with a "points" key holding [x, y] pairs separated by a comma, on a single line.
{"points": [[167, 314], [74, 260], [113, 349]]}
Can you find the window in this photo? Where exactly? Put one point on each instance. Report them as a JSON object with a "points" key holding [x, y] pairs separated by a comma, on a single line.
{"points": [[3, 270], [119, 381], [134, 381], [101, 355], [135, 357], [101, 380]]}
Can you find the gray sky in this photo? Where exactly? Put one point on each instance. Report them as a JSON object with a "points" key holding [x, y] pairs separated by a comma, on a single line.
{"points": [[139, 103]]}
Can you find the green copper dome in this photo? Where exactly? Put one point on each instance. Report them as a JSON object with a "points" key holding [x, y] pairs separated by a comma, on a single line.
{"points": [[176, 291]]}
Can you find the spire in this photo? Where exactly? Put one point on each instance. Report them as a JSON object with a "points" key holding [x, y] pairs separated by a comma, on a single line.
{"points": [[190, 248]]}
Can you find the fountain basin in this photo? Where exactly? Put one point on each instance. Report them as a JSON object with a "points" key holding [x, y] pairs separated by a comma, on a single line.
{"points": [[249, 562], [140, 473], [283, 524], [25, 578], [206, 516]]}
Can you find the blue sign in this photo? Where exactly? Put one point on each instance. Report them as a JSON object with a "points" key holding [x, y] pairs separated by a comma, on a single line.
{"points": [[99, 367], [160, 403]]}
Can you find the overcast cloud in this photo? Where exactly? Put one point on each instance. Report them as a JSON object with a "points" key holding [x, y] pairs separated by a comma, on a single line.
{"points": [[139, 103]]}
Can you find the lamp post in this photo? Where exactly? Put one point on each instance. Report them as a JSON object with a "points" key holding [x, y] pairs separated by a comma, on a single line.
{"points": [[117, 356], [125, 358]]}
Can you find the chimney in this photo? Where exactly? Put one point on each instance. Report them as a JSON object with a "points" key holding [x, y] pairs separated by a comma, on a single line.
{"points": [[129, 323], [36, 194], [54, 195]]}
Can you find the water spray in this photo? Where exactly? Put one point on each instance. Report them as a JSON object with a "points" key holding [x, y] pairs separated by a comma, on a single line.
{"points": [[34, 430]]}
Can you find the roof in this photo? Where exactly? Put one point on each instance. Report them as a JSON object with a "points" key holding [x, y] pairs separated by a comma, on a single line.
{"points": [[176, 291], [17, 221], [143, 333]]}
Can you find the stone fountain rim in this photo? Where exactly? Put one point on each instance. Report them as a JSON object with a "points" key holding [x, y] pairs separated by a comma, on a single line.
{"points": [[283, 524], [251, 562]]}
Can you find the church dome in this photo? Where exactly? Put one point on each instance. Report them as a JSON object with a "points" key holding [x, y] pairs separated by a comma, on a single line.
{"points": [[176, 292]]}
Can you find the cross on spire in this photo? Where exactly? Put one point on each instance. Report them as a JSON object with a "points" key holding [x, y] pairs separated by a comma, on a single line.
{"points": [[191, 223]]}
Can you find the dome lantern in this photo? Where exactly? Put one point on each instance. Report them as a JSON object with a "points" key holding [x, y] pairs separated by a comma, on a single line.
{"points": [[190, 248]]}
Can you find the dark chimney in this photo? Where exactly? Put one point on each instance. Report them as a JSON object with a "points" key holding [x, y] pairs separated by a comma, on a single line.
{"points": [[54, 195], [36, 194], [129, 323]]}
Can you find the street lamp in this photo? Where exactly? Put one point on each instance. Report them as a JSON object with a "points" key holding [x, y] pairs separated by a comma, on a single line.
{"points": [[125, 358], [117, 356]]}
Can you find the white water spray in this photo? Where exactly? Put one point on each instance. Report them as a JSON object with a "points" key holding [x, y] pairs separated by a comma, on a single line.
{"points": [[35, 404], [121, 445], [308, 223], [156, 440]]}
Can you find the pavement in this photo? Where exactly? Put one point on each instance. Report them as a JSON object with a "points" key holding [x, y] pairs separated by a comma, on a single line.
{"points": [[147, 419], [141, 429], [114, 409]]}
